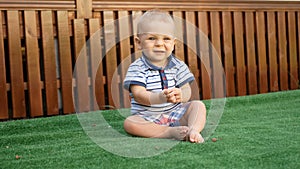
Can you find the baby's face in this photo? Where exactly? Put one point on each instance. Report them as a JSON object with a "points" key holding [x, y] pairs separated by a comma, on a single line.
{"points": [[157, 41]]}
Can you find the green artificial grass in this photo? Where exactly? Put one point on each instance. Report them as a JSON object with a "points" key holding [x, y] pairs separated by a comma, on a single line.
{"points": [[260, 131]]}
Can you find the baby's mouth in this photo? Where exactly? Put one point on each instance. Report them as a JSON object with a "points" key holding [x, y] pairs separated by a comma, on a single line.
{"points": [[159, 51]]}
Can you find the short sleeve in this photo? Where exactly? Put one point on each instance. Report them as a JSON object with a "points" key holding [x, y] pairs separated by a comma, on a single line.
{"points": [[134, 76], [184, 75]]}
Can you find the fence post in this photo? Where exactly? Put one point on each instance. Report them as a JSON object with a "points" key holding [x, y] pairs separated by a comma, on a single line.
{"points": [[84, 8]]}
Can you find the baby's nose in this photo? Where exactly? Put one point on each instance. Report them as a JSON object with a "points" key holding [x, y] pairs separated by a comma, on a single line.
{"points": [[159, 42]]}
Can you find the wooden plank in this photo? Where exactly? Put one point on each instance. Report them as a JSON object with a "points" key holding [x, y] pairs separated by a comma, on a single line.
{"points": [[180, 52], [293, 65], [262, 52], [251, 59], [232, 5], [96, 57], [81, 70], [218, 76], [125, 53], [16, 65], [298, 19], [65, 59], [33, 64], [135, 18], [192, 58], [84, 8], [194, 5], [282, 48], [49, 63], [3, 99], [272, 50], [111, 57], [179, 45], [204, 55], [228, 54], [37, 4], [239, 54]]}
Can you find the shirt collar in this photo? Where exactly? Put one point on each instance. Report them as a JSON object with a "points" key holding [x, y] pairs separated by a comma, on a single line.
{"points": [[171, 63]]}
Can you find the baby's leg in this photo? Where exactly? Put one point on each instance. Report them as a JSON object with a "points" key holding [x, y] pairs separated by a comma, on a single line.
{"points": [[195, 118], [138, 126]]}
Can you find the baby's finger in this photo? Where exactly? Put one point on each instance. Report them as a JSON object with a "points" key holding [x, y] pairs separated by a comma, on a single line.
{"points": [[167, 92], [171, 94], [172, 99], [176, 91], [178, 96]]}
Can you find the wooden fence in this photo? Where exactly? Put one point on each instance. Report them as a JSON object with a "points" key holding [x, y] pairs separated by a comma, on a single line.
{"points": [[258, 43]]}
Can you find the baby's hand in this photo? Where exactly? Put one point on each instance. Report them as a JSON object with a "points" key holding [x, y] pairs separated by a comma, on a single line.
{"points": [[177, 94], [173, 95]]}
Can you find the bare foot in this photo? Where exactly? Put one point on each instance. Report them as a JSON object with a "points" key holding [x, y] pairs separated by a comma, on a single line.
{"points": [[178, 133], [195, 137]]}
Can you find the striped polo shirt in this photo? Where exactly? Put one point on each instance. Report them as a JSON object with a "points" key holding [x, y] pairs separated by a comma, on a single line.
{"points": [[155, 79]]}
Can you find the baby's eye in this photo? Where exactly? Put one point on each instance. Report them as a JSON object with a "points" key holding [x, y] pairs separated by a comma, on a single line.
{"points": [[151, 38], [167, 39]]}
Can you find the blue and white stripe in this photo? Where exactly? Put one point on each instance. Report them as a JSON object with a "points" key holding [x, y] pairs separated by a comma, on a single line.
{"points": [[142, 72]]}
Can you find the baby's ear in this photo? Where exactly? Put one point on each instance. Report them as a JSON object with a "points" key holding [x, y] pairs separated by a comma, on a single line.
{"points": [[175, 40], [138, 42]]}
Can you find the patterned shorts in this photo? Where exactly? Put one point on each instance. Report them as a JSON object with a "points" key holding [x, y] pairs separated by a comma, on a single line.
{"points": [[170, 118]]}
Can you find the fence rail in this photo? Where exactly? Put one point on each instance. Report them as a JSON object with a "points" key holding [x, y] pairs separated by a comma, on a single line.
{"points": [[258, 43]]}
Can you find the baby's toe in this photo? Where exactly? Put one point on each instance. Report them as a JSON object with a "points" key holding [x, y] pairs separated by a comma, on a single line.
{"points": [[193, 137], [200, 139]]}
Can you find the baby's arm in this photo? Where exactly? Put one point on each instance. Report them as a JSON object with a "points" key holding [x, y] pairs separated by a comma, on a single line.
{"points": [[186, 92], [142, 96], [174, 95]]}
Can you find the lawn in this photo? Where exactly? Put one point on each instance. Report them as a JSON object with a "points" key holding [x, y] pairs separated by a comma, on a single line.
{"points": [[260, 131]]}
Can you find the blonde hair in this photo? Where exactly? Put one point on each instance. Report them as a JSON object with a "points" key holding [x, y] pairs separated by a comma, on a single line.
{"points": [[154, 15]]}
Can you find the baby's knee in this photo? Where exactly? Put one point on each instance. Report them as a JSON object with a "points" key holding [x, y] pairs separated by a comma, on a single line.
{"points": [[200, 106], [198, 103], [130, 124]]}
